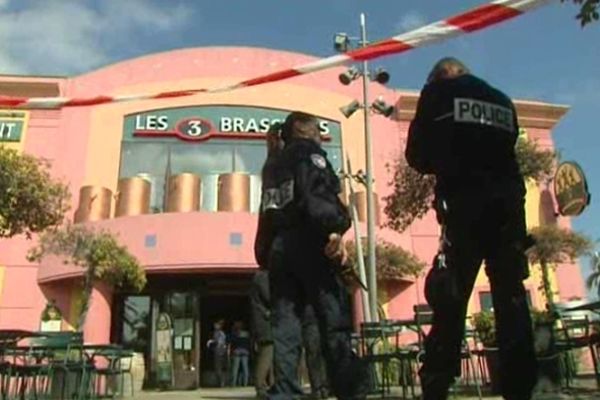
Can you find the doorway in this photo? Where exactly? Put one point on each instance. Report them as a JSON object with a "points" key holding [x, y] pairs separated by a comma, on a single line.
{"points": [[230, 308]]}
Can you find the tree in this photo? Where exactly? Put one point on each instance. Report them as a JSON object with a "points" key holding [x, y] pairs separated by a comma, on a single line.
{"points": [[588, 11], [30, 199], [393, 262], [555, 245], [594, 279], [98, 253], [412, 194]]}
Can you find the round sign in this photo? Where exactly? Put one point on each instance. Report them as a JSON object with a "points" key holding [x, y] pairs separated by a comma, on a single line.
{"points": [[571, 189], [194, 128]]}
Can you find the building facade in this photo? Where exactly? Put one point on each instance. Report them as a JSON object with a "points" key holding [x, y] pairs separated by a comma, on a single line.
{"points": [[194, 236]]}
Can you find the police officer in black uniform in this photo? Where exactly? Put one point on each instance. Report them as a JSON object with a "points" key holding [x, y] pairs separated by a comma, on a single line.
{"points": [[304, 221], [464, 132]]}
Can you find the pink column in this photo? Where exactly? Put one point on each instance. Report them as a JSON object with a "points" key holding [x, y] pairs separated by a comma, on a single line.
{"points": [[97, 324]]}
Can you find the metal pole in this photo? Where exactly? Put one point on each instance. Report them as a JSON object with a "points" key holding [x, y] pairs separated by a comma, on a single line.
{"points": [[371, 265], [359, 248]]}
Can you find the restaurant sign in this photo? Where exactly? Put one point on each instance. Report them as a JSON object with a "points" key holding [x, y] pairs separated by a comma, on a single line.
{"points": [[200, 123], [11, 126], [571, 189]]}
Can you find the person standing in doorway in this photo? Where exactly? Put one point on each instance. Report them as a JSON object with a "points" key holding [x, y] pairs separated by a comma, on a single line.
{"points": [[218, 345], [240, 354]]}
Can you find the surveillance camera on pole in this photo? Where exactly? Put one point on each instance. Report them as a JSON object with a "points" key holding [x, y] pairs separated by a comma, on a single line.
{"points": [[381, 107], [350, 109], [351, 74], [381, 76]]}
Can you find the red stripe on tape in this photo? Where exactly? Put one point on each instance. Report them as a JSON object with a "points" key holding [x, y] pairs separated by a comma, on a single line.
{"points": [[88, 102], [12, 101], [277, 76], [483, 16], [385, 47], [177, 93]]}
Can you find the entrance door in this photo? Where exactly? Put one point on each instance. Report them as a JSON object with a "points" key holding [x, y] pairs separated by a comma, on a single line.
{"points": [[183, 309], [230, 308]]}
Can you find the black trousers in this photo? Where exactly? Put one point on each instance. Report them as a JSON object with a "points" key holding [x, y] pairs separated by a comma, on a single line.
{"points": [[301, 276], [485, 223], [315, 360]]}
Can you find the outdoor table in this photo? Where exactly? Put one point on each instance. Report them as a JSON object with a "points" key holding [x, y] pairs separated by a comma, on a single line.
{"points": [[11, 336], [593, 307]]}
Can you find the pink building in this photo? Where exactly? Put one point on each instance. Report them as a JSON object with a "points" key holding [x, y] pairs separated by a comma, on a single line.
{"points": [[196, 242]]}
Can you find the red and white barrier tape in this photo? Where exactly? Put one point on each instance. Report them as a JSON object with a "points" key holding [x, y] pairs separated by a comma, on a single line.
{"points": [[479, 18]]}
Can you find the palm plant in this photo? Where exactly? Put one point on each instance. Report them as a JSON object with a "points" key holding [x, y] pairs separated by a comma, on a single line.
{"points": [[593, 281]]}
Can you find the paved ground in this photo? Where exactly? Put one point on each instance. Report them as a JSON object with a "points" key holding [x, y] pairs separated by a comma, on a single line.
{"points": [[584, 391]]}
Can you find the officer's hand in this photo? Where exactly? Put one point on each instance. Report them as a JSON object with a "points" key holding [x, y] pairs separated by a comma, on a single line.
{"points": [[335, 247]]}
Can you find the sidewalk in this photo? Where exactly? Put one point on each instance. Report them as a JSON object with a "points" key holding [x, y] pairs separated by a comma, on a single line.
{"points": [[248, 393]]}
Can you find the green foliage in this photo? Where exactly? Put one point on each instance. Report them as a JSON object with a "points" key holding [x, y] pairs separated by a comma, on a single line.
{"points": [[535, 163], [554, 245], [594, 279], [541, 317], [411, 198], [99, 253], [30, 200], [393, 262], [484, 324], [588, 11], [412, 193]]}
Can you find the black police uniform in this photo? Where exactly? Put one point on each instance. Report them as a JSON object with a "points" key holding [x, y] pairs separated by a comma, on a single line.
{"points": [[313, 351], [300, 209], [464, 132], [261, 329]]}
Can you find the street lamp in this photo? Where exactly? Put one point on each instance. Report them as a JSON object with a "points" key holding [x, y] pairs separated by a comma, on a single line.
{"points": [[342, 42]]}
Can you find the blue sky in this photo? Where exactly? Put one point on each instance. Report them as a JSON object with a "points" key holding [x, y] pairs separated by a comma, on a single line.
{"points": [[544, 55]]}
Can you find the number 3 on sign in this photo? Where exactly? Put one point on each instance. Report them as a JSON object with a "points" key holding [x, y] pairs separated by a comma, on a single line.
{"points": [[194, 128]]}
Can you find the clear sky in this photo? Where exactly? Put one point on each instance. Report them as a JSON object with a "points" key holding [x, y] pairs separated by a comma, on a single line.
{"points": [[544, 55]]}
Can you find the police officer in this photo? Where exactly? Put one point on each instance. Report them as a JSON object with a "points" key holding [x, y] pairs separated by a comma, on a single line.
{"points": [[315, 362], [464, 132], [260, 298], [305, 220], [261, 330]]}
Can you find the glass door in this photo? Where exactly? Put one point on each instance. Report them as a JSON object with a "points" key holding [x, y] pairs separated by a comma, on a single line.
{"points": [[183, 309]]}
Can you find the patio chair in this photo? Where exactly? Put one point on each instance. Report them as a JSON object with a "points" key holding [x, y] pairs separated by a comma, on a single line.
{"points": [[574, 334]]}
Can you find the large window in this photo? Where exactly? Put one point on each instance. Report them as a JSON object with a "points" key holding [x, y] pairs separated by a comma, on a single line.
{"points": [[154, 160]]}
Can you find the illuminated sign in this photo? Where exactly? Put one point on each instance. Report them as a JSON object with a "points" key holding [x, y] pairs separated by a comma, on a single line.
{"points": [[11, 126], [206, 122], [571, 189]]}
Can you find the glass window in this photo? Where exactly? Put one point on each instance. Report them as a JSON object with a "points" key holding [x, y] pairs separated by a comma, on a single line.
{"points": [[136, 323], [156, 159], [250, 157], [147, 160], [204, 158], [486, 304], [485, 301]]}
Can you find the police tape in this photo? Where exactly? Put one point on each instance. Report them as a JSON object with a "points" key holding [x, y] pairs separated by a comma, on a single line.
{"points": [[476, 19]]}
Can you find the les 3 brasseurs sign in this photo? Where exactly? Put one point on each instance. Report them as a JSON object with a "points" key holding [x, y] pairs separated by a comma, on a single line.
{"points": [[202, 123], [571, 189]]}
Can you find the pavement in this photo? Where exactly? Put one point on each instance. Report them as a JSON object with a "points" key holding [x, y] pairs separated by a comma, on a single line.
{"points": [[583, 390]]}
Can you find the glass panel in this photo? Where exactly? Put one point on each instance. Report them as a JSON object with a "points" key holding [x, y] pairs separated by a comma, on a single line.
{"points": [[334, 154], [148, 160], [485, 301], [182, 308], [205, 158], [250, 157], [136, 324]]}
